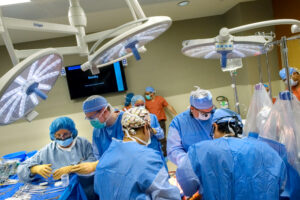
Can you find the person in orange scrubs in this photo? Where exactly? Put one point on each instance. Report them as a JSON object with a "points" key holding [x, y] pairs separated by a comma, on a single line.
{"points": [[155, 105]]}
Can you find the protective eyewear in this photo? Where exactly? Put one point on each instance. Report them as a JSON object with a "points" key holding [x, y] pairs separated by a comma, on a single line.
{"points": [[138, 105], [63, 136], [94, 116]]}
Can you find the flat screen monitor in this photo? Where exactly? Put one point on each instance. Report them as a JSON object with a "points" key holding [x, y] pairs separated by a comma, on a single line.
{"points": [[83, 84]]}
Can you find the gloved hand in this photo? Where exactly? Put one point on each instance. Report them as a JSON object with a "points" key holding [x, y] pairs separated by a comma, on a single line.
{"points": [[59, 172], [85, 168], [43, 170]]}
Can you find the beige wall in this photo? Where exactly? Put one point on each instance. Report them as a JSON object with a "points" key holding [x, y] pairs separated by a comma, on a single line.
{"points": [[162, 66]]}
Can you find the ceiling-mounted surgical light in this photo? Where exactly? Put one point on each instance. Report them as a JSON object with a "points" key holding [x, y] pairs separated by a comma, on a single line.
{"points": [[26, 83], [128, 43], [226, 46], [183, 3]]}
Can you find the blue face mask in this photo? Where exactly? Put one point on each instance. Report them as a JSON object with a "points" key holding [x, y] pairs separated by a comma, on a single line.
{"points": [[97, 124], [148, 97], [66, 142]]}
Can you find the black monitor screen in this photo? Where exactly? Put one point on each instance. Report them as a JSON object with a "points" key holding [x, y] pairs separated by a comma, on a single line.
{"points": [[82, 84]]}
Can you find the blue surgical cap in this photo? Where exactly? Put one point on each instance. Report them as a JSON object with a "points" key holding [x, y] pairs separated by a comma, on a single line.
{"points": [[136, 98], [150, 89], [282, 72], [225, 115], [94, 103], [62, 123], [128, 98], [201, 99]]}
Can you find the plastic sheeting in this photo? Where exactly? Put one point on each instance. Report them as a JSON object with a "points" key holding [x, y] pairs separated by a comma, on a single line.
{"points": [[259, 110], [283, 126]]}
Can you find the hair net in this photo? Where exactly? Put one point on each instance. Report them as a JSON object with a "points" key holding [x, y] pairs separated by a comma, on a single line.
{"points": [[136, 98], [150, 89], [201, 99], [135, 118], [282, 72], [62, 123], [94, 103], [128, 99]]}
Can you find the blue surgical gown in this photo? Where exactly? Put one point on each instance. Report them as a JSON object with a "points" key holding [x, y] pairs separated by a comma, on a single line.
{"points": [[232, 169], [292, 187], [128, 170], [82, 151], [184, 131], [102, 137]]}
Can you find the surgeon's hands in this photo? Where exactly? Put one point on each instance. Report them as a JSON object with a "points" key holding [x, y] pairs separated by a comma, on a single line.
{"points": [[59, 172], [85, 168], [43, 170]]}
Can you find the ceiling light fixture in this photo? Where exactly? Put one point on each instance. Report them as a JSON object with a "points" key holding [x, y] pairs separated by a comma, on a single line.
{"points": [[10, 2], [183, 3]]}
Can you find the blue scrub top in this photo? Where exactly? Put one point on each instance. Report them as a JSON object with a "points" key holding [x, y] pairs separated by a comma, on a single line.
{"points": [[102, 137], [232, 168], [128, 170]]}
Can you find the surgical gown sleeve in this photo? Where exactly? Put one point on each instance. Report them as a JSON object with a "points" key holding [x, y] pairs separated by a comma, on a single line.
{"points": [[186, 177], [161, 189], [23, 170], [88, 151], [155, 124], [175, 149]]}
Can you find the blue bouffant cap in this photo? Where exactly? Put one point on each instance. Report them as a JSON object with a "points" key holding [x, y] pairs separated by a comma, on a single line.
{"points": [[94, 103], [150, 89], [62, 123], [136, 98], [282, 72], [201, 99]]}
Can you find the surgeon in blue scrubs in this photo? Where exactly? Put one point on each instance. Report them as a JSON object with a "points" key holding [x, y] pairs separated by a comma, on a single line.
{"points": [[129, 169], [232, 168], [191, 126], [107, 125]]}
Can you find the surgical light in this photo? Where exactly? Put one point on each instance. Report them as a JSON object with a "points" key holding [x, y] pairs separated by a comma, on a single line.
{"points": [[22, 87], [183, 3], [226, 46], [128, 43], [10, 2]]}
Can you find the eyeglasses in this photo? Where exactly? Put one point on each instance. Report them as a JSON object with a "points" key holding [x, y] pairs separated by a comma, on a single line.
{"points": [[138, 105], [203, 113], [63, 136], [95, 115]]}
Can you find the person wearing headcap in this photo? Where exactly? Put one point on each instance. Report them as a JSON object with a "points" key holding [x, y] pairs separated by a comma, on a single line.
{"points": [[157, 132], [127, 104], [294, 80], [155, 105], [131, 170], [60, 156], [107, 125], [191, 126], [229, 167]]}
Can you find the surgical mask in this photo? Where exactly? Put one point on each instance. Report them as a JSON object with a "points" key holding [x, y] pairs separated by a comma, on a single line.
{"points": [[66, 142], [148, 97], [203, 117], [97, 124], [292, 82]]}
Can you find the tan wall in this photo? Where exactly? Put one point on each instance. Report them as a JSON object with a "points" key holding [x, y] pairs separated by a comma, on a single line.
{"points": [[162, 66]]}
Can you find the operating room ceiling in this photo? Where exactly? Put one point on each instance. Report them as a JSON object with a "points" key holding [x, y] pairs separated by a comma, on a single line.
{"points": [[106, 14]]}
